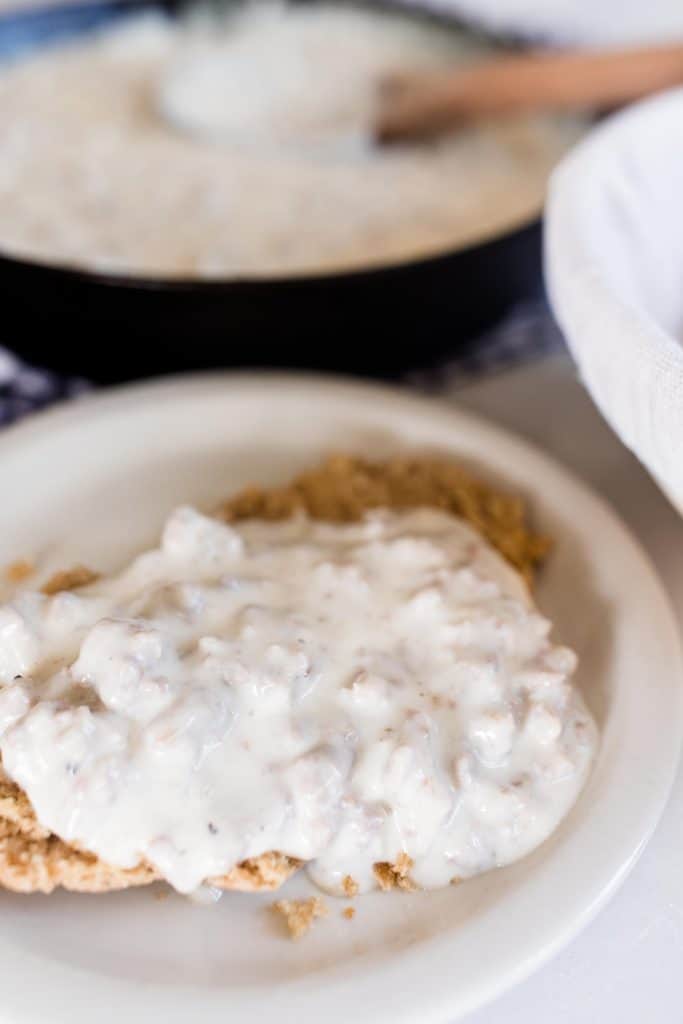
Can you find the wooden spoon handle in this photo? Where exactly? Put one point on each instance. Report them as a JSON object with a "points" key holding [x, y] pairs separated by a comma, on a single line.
{"points": [[420, 106]]}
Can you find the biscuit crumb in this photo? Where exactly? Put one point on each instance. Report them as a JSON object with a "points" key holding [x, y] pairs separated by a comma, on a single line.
{"points": [[69, 579], [456, 880], [17, 572], [299, 915], [161, 894], [350, 886], [395, 876], [349, 913]]}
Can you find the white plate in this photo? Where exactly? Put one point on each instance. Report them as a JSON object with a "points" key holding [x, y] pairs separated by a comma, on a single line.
{"points": [[91, 482]]}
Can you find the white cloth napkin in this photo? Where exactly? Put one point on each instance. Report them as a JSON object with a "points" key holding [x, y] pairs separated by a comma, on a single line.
{"points": [[614, 266]]}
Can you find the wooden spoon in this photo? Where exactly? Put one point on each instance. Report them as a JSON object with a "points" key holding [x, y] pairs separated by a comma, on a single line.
{"points": [[420, 106]]}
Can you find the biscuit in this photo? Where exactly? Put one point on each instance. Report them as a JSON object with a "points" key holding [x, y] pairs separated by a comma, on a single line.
{"points": [[34, 860], [342, 489], [345, 487]]}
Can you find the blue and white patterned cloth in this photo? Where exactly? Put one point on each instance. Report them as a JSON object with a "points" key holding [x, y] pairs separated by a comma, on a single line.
{"points": [[526, 335], [23, 388]]}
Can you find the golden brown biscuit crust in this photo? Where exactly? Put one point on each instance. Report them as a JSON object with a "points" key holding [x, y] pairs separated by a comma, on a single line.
{"points": [[34, 860], [345, 487], [395, 876]]}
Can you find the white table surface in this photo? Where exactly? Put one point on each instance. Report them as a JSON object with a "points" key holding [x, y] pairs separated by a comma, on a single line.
{"points": [[626, 968]]}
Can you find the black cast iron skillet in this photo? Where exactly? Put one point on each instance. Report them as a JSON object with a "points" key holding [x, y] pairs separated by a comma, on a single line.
{"points": [[381, 321]]}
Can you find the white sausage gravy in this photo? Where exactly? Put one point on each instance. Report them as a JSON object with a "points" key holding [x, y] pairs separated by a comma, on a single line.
{"points": [[343, 694]]}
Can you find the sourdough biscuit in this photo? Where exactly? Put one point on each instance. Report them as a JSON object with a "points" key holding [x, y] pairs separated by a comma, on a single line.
{"points": [[342, 489]]}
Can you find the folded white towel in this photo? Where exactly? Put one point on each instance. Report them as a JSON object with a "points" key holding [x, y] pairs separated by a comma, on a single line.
{"points": [[614, 267]]}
